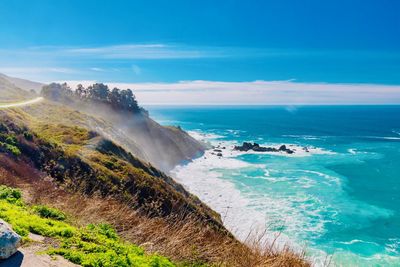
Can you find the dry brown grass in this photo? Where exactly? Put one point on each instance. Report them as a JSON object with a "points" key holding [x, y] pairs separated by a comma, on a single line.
{"points": [[184, 241]]}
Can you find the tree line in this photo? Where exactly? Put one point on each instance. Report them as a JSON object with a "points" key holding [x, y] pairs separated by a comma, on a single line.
{"points": [[118, 99]]}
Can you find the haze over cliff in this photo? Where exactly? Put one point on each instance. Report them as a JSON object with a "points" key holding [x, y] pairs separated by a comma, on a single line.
{"points": [[101, 160]]}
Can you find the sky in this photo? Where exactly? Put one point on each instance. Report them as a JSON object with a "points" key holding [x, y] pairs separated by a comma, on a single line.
{"points": [[218, 52]]}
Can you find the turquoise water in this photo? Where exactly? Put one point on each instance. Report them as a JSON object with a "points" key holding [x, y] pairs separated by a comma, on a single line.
{"points": [[342, 199]]}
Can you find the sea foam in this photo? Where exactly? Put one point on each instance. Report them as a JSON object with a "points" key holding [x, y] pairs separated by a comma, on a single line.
{"points": [[281, 205]]}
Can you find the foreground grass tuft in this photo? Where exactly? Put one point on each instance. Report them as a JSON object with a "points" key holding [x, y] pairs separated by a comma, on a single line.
{"points": [[96, 245], [46, 212]]}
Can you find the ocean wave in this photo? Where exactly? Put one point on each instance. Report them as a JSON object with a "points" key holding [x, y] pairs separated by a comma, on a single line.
{"points": [[357, 241], [328, 177], [202, 136], [297, 213], [346, 258], [246, 211], [393, 246], [204, 177], [391, 138], [274, 179], [305, 137], [352, 151], [235, 132]]}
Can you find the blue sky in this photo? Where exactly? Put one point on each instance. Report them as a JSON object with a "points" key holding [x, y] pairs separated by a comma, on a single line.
{"points": [[309, 41]]}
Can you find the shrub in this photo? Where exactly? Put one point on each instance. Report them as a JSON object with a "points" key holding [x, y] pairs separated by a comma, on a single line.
{"points": [[46, 212], [28, 136], [11, 140], [10, 194], [13, 149]]}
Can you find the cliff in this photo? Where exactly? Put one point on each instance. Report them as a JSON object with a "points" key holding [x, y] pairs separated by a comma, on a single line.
{"points": [[85, 151], [165, 147], [82, 160], [92, 163]]}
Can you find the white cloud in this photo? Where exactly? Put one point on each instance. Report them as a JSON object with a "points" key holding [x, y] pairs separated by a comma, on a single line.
{"points": [[34, 70], [142, 51], [259, 92], [97, 69], [122, 51]]}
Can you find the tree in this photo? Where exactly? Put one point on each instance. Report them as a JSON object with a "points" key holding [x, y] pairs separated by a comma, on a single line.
{"points": [[116, 98], [100, 92]]}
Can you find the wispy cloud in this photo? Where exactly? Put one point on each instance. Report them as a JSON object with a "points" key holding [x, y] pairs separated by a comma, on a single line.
{"points": [[259, 93], [21, 71], [125, 51], [141, 51], [34, 62], [154, 51], [97, 69]]}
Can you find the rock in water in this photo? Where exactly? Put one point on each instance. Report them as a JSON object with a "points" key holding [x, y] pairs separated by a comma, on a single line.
{"points": [[256, 147], [9, 240]]}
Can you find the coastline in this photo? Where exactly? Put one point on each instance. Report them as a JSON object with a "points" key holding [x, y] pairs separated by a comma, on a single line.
{"points": [[200, 177], [204, 177]]}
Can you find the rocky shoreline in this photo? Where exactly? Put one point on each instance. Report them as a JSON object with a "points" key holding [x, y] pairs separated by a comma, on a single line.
{"points": [[246, 146]]}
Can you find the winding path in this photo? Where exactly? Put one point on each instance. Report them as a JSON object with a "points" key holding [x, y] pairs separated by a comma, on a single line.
{"points": [[22, 103]]}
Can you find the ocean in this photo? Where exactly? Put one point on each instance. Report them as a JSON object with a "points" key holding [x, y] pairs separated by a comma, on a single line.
{"points": [[340, 201]]}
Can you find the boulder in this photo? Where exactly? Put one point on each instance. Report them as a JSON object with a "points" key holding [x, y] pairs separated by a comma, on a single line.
{"points": [[9, 240], [285, 149], [245, 147]]}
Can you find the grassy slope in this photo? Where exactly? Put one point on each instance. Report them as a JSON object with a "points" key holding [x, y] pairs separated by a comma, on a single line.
{"points": [[84, 161], [53, 113], [93, 245], [164, 147], [23, 84], [9, 92]]}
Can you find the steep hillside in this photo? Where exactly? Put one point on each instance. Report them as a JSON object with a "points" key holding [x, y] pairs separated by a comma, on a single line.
{"points": [[23, 84], [164, 147], [11, 92], [82, 160]]}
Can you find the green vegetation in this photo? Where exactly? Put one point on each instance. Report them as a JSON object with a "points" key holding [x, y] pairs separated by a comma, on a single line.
{"points": [[10, 92], [71, 138], [11, 195], [91, 246], [81, 160], [46, 212], [8, 143], [117, 99]]}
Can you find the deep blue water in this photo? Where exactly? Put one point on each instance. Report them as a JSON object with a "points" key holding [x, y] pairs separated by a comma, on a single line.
{"points": [[342, 198]]}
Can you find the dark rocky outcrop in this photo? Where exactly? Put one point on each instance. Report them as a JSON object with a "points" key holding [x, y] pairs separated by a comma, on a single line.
{"points": [[246, 146]]}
